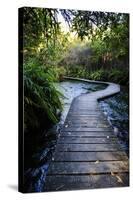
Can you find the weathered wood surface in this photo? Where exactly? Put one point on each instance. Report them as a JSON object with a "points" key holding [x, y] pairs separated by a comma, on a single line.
{"points": [[88, 153], [72, 182], [89, 156], [89, 147]]}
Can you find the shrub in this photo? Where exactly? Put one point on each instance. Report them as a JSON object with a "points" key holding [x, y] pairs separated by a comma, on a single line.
{"points": [[120, 76], [41, 99]]}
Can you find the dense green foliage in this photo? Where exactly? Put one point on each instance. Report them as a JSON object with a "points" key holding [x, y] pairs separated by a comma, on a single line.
{"points": [[41, 97], [43, 46], [113, 75], [42, 108], [103, 51], [105, 54]]}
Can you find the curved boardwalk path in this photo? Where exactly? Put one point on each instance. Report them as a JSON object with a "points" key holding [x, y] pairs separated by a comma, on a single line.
{"points": [[88, 154]]}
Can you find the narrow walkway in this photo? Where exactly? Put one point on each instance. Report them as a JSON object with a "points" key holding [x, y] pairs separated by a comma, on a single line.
{"points": [[88, 154]]}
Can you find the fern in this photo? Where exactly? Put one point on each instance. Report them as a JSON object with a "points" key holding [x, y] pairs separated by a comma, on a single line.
{"points": [[40, 95]]}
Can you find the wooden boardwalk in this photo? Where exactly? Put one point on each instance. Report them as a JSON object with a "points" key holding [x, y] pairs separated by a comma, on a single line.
{"points": [[88, 154]]}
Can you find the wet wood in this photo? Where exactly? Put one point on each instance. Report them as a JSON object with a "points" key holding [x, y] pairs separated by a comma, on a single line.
{"points": [[72, 182], [89, 147], [87, 129], [83, 140], [88, 153], [71, 168], [106, 134], [89, 156]]}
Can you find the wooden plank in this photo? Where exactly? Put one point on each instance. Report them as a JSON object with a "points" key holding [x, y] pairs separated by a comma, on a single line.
{"points": [[85, 121], [83, 140], [88, 134], [87, 116], [65, 182], [89, 156], [86, 126], [98, 116], [83, 114], [85, 109], [87, 129], [89, 147], [75, 168], [72, 115]]}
